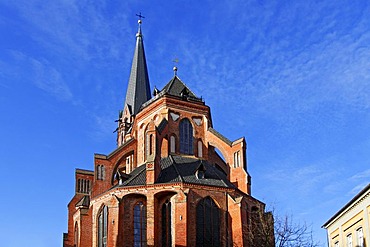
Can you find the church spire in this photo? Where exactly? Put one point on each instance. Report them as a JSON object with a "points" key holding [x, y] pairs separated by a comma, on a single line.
{"points": [[138, 90]]}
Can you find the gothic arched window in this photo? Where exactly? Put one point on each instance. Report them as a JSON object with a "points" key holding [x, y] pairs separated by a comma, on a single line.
{"points": [[102, 227], [208, 223], [186, 137], [166, 224], [139, 225]]}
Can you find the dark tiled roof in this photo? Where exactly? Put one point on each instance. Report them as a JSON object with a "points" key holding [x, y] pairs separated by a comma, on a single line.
{"points": [[181, 169], [177, 88], [187, 168], [138, 177]]}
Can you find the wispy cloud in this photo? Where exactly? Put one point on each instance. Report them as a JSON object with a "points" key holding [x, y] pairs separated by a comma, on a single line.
{"points": [[50, 80], [361, 175], [89, 31], [40, 73], [357, 188], [267, 68]]}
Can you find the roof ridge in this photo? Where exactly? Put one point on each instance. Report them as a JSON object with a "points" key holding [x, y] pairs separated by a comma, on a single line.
{"points": [[177, 171], [170, 84], [186, 86]]}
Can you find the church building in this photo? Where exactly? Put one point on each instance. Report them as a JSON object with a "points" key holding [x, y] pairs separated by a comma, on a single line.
{"points": [[165, 184]]}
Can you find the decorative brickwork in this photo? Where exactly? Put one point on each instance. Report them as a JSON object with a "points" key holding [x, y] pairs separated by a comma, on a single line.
{"points": [[165, 163]]}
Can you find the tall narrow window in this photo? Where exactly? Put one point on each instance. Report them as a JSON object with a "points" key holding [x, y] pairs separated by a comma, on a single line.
{"points": [[208, 223], [102, 227], [200, 149], [102, 172], [76, 236], [88, 186], [166, 224], [186, 137], [237, 159], [360, 237], [98, 172], [149, 144], [139, 225], [349, 240], [78, 185], [172, 144]]}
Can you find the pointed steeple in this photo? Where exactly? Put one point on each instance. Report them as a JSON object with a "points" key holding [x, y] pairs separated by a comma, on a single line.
{"points": [[138, 90]]}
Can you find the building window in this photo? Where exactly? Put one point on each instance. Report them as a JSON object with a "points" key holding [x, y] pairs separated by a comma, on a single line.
{"points": [[83, 186], [76, 236], [166, 224], [78, 189], [102, 227], [207, 223], [349, 240], [100, 172], [360, 237], [172, 144], [237, 159], [200, 149], [149, 144], [139, 225], [186, 137]]}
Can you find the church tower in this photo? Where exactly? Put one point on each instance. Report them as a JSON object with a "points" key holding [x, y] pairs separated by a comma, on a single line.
{"points": [[165, 184], [138, 90]]}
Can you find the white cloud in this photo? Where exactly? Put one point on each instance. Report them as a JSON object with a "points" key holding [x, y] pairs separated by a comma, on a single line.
{"points": [[38, 72], [361, 175], [50, 80], [355, 190]]}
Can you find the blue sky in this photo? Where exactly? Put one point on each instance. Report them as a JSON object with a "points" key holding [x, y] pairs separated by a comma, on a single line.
{"points": [[292, 77]]}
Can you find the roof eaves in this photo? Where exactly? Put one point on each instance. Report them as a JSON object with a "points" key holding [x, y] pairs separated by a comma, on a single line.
{"points": [[363, 191]]}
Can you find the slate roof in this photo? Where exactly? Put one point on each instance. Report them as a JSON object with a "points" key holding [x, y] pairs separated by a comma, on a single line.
{"points": [[176, 87], [181, 169], [138, 91]]}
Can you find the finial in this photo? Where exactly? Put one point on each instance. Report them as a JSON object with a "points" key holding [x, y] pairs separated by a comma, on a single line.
{"points": [[175, 70], [139, 21], [175, 61]]}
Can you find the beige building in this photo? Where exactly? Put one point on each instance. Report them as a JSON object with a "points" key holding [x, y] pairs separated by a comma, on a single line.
{"points": [[350, 226]]}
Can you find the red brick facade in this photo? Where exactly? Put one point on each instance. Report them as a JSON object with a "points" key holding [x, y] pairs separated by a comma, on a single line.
{"points": [[144, 140]]}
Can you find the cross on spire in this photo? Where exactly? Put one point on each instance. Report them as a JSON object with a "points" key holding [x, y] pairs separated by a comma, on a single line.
{"points": [[140, 16]]}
